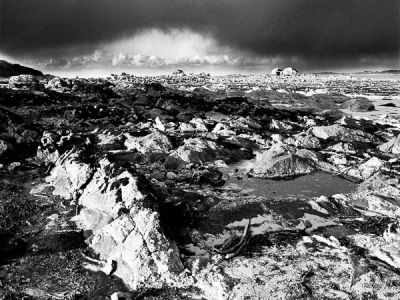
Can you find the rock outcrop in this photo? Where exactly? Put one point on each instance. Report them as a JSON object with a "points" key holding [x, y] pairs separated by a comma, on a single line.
{"points": [[280, 162], [194, 150], [122, 213], [359, 104], [340, 133], [392, 146]]}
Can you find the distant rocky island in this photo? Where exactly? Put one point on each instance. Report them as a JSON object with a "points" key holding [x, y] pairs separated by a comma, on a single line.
{"points": [[8, 69]]}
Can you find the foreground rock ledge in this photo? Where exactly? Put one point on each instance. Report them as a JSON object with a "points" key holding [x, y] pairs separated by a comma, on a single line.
{"points": [[124, 220]]}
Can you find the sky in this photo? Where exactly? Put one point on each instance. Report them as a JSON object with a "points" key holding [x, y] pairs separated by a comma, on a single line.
{"points": [[216, 36]]}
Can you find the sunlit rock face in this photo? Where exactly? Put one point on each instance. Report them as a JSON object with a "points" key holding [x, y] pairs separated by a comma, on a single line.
{"points": [[340, 133], [120, 210], [69, 175], [194, 150], [281, 161], [392, 146], [155, 144]]}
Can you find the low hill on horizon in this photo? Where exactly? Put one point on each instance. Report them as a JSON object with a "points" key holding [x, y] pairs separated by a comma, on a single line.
{"points": [[8, 69]]}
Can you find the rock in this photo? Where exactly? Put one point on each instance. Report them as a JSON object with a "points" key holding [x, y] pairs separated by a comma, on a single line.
{"points": [[358, 104], [121, 296], [69, 175], [185, 127], [366, 169], [376, 182], [199, 125], [339, 133], [280, 126], [5, 147], [134, 239], [158, 124], [280, 162], [392, 146], [108, 141], [155, 144], [338, 159], [385, 248], [342, 148], [47, 156], [20, 81], [56, 83], [304, 140], [194, 150], [14, 166], [223, 129]]}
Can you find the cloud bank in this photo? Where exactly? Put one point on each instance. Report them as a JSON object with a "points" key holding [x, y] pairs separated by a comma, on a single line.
{"points": [[316, 33]]}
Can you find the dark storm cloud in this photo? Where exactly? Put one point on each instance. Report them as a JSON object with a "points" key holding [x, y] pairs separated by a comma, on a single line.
{"points": [[323, 30]]}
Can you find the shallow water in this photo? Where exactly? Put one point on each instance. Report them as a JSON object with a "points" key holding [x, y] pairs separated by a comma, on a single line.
{"points": [[281, 197], [312, 185]]}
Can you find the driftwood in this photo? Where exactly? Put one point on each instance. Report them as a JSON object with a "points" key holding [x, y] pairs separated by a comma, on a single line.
{"points": [[231, 249]]}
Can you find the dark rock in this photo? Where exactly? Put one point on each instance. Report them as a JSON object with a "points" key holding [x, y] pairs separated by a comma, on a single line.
{"points": [[7, 69], [390, 104], [359, 104]]}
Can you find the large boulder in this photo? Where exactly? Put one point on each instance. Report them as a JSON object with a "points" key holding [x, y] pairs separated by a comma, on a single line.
{"points": [[392, 146], [337, 132], [130, 233], [359, 104], [281, 161], [194, 150], [155, 144]]}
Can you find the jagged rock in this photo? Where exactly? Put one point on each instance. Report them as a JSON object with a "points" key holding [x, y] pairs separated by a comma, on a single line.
{"points": [[194, 150], [340, 133], [47, 155], [223, 129], [155, 144], [385, 247], [69, 175], [392, 146], [21, 81], [199, 125], [280, 125], [158, 124], [134, 239], [109, 141], [121, 296], [216, 116], [342, 148], [359, 104], [56, 83], [338, 159], [377, 182], [383, 200], [304, 140], [185, 127], [366, 169], [5, 147], [244, 124], [280, 162]]}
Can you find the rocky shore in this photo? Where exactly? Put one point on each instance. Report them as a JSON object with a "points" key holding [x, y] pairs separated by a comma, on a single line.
{"points": [[199, 188]]}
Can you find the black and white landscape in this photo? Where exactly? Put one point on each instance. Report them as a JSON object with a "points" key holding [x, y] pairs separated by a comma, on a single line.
{"points": [[199, 149]]}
